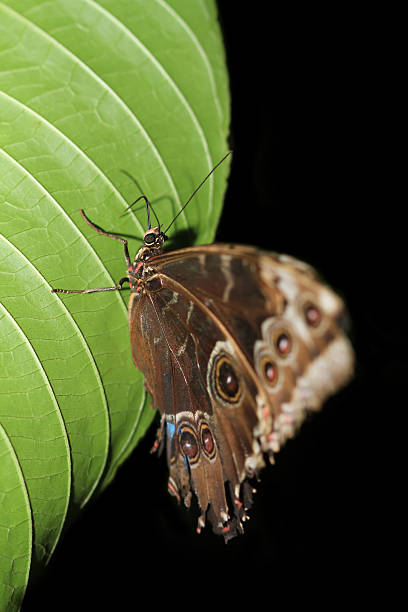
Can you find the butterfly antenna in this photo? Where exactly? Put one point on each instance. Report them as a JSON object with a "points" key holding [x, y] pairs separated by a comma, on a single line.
{"points": [[155, 216], [197, 188], [142, 197]]}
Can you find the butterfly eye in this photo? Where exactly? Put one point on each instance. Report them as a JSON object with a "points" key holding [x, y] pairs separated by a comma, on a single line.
{"points": [[312, 314], [149, 238], [188, 444], [227, 383], [269, 370], [283, 344], [207, 441]]}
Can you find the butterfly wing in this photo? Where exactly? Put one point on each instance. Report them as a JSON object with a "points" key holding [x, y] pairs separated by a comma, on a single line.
{"points": [[236, 345]]}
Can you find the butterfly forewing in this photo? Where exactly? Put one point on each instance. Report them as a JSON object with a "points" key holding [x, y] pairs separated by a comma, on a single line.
{"points": [[236, 345]]}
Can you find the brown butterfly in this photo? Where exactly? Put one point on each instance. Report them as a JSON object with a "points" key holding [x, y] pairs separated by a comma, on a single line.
{"points": [[237, 345]]}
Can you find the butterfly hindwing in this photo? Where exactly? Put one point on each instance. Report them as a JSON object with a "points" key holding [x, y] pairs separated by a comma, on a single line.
{"points": [[236, 346]]}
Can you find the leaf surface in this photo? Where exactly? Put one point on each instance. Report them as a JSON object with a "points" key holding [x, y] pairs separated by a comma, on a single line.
{"points": [[88, 89]]}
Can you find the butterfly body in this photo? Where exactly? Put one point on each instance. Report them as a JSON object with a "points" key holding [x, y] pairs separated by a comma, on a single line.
{"points": [[237, 345]]}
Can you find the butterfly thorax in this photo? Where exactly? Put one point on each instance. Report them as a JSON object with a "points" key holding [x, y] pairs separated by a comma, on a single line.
{"points": [[141, 269]]}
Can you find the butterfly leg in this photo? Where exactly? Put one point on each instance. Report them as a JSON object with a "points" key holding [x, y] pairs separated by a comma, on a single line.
{"points": [[117, 287], [109, 235], [159, 441], [127, 257]]}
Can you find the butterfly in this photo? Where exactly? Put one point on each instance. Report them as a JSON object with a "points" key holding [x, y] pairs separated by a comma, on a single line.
{"points": [[237, 346]]}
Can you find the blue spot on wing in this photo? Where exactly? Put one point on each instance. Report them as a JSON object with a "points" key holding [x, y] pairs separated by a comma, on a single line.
{"points": [[170, 428]]}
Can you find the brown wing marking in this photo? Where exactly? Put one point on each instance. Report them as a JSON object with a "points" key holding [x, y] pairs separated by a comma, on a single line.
{"points": [[191, 413], [232, 430]]}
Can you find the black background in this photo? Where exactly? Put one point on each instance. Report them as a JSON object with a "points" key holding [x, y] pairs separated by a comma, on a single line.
{"points": [[314, 174]]}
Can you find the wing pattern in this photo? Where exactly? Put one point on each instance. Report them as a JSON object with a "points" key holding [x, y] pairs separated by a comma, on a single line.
{"points": [[236, 345]]}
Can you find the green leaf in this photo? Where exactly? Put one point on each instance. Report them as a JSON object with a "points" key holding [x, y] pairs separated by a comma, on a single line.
{"points": [[15, 528], [33, 422], [88, 89]]}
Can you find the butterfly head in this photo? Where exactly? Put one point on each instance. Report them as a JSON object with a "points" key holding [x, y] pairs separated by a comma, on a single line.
{"points": [[153, 238]]}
